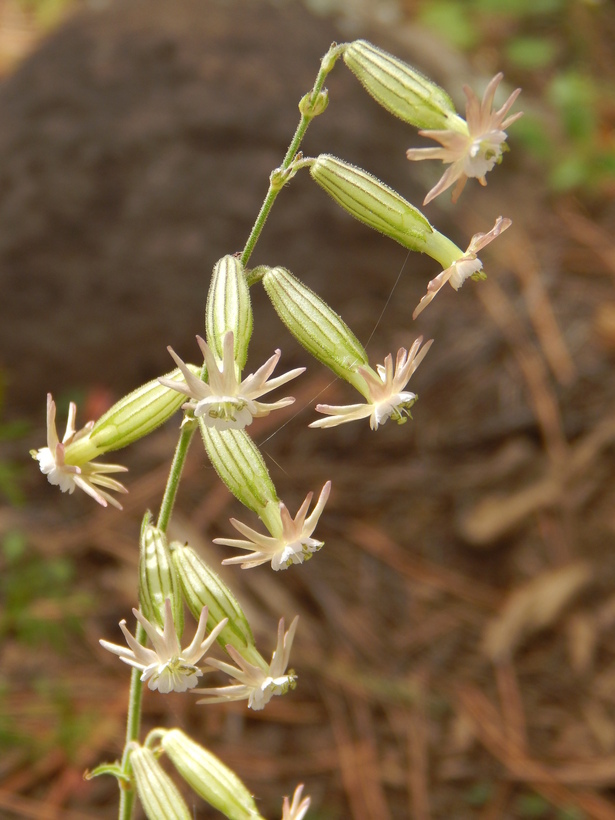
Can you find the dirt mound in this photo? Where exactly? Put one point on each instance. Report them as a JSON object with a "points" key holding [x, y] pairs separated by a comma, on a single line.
{"points": [[135, 149]]}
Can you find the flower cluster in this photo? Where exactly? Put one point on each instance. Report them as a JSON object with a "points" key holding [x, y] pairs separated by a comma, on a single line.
{"points": [[172, 575]]}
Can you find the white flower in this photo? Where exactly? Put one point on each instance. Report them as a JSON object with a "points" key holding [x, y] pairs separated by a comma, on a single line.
{"points": [[256, 684], [167, 667], [88, 476], [298, 808], [385, 391], [464, 267], [224, 402], [293, 544], [474, 153]]}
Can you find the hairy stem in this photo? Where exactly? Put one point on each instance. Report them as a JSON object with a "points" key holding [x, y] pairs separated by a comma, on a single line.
{"points": [[170, 491], [308, 112], [311, 105], [133, 724]]}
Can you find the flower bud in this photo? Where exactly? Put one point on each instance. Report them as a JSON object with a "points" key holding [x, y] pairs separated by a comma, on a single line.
{"points": [[201, 586], [158, 794], [313, 105], [314, 324], [229, 308], [371, 201], [209, 777], [399, 88], [132, 417], [241, 467], [158, 578]]}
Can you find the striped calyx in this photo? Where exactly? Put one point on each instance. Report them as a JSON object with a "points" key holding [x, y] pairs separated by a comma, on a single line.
{"points": [[158, 795], [229, 309], [137, 414], [314, 324], [242, 468], [209, 777], [401, 89], [372, 202], [158, 579], [201, 586]]}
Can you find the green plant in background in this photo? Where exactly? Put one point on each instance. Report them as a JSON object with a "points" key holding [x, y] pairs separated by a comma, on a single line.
{"points": [[47, 13], [41, 610], [44, 717], [538, 41], [40, 606], [570, 132], [535, 807], [10, 472]]}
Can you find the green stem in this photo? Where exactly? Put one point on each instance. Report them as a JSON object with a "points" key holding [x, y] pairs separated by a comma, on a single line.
{"points": [[310, 106], [308, 113], [133, 724], [179, 459], [133, 721]]}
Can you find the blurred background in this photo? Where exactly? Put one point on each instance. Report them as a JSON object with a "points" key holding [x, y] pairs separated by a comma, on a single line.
{"points": [[455, 654]]}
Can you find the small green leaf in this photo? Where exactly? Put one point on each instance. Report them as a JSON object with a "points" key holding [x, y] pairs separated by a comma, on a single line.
{"points": [[114, 769]]}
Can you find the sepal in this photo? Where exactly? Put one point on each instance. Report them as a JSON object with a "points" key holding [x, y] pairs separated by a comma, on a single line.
{"points": [[158, 578], [400, 88], [209, 777], [314, 324], [372, 202], [201, 586], [158, 794], [241, 467], [133, 416], [229, 309]]}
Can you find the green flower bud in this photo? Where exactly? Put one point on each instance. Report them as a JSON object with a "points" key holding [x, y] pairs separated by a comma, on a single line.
{"points": [[371, 201], [132, 417], [158, 794], [312, 106], [158, 579], [315, 325], [209, 777], [229, 308], [399, 88], [201, 586], [241, 467]]}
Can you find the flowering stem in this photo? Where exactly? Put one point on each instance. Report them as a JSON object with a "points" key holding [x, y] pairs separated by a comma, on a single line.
{"points": [[133, 721], [133, 724], [179, 459], [311, 105]]}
